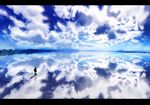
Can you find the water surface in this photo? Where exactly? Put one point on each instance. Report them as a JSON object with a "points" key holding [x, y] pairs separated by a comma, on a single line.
{"points": [[75, 75]]}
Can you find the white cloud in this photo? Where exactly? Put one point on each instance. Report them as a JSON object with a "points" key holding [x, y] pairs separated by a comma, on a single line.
{"points": [[17, 22], [65, 13], [15, 31], [134, 41], [3, 13], [127, 18], [122, 18], [68, 11], [132, 11], [35, 25], [30, 12]]}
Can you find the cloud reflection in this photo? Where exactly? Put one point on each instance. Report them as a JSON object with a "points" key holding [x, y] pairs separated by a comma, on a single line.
{"points": [[75, 75]]}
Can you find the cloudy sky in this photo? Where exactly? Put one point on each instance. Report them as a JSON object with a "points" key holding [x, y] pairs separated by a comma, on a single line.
{"points": [[80, 27]]}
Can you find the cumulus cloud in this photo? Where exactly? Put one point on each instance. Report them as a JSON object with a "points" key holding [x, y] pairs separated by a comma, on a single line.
{"points": [[66, 11], [3, 13], [17, 22], [33, 27], [107, 26], [120, 23]]}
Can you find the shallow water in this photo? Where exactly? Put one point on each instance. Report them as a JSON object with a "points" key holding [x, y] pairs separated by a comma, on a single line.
{"points": [[75, 75]]}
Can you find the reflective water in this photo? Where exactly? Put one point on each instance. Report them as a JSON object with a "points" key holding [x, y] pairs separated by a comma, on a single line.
{"points": [[75, 75]]}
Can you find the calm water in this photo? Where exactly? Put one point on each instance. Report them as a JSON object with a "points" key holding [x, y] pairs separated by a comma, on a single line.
{"points": [[75, 75]]}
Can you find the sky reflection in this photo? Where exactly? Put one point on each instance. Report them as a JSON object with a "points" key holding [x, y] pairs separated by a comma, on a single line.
{"points": [[73, 75]]}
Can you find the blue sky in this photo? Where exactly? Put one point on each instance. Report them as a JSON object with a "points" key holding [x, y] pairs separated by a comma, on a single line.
{"points": [[80, 27]]}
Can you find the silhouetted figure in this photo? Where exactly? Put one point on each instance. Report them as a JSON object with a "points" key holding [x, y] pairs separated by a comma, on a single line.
{"points": [[35, 71]]}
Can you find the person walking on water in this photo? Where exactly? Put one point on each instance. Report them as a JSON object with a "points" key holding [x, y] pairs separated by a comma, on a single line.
{"points": [[35, 71]]}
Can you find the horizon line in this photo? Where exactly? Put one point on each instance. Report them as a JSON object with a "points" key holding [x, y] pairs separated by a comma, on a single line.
{"points": [[31, 51]]}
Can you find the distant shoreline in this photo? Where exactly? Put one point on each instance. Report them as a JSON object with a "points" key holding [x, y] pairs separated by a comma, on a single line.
{"points": [[31, 51]]}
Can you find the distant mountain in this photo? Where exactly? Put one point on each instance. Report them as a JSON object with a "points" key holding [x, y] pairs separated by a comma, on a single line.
{"points": [[131, 51]]}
